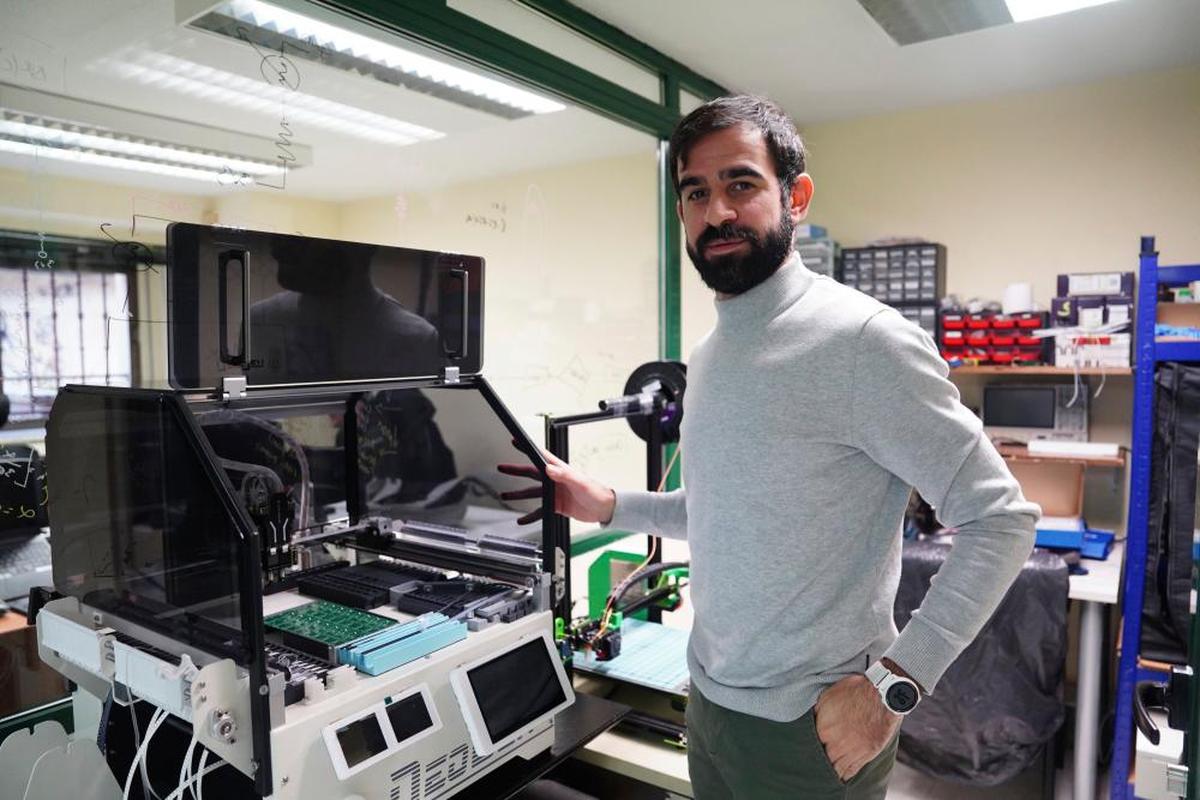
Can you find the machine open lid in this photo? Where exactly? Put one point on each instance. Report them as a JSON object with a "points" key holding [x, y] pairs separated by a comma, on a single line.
{"points": [[286, 310]]}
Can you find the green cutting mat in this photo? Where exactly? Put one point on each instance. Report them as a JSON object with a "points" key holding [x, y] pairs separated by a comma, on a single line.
{"points": [[328, 623]]}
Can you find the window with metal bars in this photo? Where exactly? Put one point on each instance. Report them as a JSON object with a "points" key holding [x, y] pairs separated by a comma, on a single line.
{"points": [[69, 321]]}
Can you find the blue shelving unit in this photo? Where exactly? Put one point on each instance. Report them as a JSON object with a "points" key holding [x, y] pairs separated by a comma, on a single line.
{"points": [[1147, 355]]}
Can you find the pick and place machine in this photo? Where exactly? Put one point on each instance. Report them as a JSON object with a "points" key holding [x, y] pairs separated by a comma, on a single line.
{"points": [[297, 556]]}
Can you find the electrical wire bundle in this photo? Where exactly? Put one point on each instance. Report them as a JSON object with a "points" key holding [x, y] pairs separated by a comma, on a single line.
{"points": [[187, 777], [641, 572]]}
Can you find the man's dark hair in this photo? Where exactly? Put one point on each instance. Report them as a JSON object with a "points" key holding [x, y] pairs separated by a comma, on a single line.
{"points": [[783, 141]]}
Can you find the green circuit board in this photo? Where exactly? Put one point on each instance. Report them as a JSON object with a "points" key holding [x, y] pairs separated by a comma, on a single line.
{"points": [[328, 623]]}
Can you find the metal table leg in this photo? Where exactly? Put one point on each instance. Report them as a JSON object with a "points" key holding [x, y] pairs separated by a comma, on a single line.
{"points": [[1087, 698]]}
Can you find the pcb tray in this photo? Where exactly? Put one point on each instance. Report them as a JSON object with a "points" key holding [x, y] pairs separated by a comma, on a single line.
{"points": [[320, 626]]}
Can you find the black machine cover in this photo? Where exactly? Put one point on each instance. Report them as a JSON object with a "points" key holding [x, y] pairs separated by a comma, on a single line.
{"points": [[1001, 701], [292, 310]]}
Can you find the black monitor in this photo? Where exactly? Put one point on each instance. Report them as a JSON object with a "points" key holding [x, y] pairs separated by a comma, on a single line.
{"points": [[1020, 406]]}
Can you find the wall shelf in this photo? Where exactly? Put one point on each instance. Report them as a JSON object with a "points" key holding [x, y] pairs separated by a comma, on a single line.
{"points": [[1056, 371], [1018, 452]]}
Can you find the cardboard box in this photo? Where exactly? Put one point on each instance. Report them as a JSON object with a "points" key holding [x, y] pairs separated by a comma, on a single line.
{"points": [[1056, 487], [1183, 315]]}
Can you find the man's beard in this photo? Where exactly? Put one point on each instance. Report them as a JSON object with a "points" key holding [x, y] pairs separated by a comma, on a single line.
{"points": [[737, 272]]}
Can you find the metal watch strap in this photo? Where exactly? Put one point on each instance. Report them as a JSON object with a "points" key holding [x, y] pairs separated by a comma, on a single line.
{"points": [[883, 679]]}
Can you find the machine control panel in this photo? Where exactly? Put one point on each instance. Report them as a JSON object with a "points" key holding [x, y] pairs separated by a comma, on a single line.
{"points": [[370, 735]]}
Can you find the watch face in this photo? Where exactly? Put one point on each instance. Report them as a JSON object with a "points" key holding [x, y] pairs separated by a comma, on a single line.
{"points": [[902, 697]]}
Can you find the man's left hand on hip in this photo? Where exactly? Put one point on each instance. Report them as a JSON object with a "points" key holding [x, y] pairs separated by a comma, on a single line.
{"points": [[853, 724]]}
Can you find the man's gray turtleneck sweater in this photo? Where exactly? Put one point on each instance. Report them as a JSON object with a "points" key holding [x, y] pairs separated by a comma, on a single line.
{"points": [[811, 410]]}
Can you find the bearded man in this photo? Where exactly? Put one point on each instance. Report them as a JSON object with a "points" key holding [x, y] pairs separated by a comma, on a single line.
{"points": [[812, 412]]}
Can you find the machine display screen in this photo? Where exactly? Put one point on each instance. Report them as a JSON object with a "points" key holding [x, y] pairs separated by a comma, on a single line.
{"points": [[1019, 407], [516, 688], [361, 740], [409, 716]]}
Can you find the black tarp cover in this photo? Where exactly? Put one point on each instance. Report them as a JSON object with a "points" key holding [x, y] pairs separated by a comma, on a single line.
{"points": [[1001, 700]]}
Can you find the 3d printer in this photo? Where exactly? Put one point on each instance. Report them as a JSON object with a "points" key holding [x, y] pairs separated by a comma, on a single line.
{"points": [[299, 553]]}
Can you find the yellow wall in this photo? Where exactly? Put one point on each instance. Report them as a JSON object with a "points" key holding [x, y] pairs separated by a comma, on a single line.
{"points": [[1023, 187]]}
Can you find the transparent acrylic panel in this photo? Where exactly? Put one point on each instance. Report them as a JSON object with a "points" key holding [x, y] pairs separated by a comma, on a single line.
{"points": [[432, 455], [425, 454], [139, 529]]}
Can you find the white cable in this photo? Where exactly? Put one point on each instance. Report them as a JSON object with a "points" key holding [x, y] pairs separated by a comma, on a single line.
{"points": [[185, 769], [137, 743], [199, 777], [147, 787], [156, 722], [1075, 370], [199, 792]]}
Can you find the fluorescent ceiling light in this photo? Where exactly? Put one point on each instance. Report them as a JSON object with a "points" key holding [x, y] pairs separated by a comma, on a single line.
{"points": [[53, 136], [42, 137], [343, 43], [105, 160], [1024, 10], [256, 95]]}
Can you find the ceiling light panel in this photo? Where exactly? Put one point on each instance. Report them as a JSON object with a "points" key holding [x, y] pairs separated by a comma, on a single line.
{"points": [[55, 134], [915, 21], [70, 123], [300, 36], [256, 95], [1024, 10], [112, 161]]}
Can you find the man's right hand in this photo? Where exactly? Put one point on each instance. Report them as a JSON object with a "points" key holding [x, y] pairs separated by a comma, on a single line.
{"points": [[575, 495]]}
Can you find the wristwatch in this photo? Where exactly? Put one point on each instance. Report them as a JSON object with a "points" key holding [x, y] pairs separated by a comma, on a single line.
{"points": [[899, 694]]}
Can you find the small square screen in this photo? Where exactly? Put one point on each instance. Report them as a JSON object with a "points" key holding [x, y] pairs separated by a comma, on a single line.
{"points": [[409, 717], [516, 688], [1019, 407], [361, 740]]}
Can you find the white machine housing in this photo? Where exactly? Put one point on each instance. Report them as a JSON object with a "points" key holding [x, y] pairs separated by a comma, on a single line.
{"points": [[307, 756]]}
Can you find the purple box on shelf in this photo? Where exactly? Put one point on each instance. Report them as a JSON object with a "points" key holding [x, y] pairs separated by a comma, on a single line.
{"points": [[1084, 284]]}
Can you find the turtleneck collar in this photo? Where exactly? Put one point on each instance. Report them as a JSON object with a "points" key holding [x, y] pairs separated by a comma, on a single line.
{"points": [[765, 301]]}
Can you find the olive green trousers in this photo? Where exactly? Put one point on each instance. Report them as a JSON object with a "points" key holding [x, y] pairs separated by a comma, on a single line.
{"points": [[735, 756]]}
